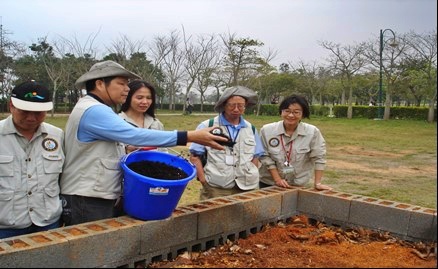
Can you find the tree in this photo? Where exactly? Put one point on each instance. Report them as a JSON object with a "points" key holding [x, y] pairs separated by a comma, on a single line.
{"points": [[425, 48], [9, 50], [346, 60], [201, 59], [53, 65], [77, 58], [169, 57], [392, 55], [307, 81], [274, 85], [240, 58]]}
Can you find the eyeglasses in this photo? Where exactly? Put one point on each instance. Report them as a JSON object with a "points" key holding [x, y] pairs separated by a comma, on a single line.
{"points": [[239, 106], [296, 113]]}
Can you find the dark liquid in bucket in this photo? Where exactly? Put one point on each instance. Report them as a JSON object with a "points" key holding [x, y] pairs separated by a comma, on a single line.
{"points": [[158, 170]]}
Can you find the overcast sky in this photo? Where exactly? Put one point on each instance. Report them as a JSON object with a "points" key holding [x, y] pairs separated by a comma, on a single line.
{"points": [[291, 27]]}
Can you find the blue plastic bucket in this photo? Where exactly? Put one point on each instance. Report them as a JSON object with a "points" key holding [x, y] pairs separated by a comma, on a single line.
{"points": [[149, 198]]}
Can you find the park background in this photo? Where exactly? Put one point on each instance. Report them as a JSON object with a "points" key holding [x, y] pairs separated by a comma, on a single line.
{"points": [[373, 94], [393, 76], [394, 160]]}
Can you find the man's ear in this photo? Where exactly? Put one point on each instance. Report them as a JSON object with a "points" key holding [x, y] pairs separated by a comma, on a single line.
{"points": [[99, 83], [11, 105]]}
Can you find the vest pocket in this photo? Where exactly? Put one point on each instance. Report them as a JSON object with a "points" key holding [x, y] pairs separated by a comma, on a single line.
{"points": [[6, 166], [52, 203], [249, 145], [302, 154], [52, 164], [6, 208], [109, 176], [251, 174]]}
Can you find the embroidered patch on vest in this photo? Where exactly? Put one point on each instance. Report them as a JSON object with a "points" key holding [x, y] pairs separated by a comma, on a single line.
{"points": [[274, 142], [50, 144]]}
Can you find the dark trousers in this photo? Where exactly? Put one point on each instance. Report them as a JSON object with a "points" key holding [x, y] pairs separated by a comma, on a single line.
{"points": [[79, 209], [4, 233], [264, 185]]}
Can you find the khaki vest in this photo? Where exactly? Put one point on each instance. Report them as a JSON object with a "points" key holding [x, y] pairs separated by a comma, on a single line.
{"points": [[243, 173], [29, 189], [91, 169]]}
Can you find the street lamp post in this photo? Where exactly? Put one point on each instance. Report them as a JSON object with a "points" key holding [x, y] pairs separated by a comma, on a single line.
{"points": [[380, 108]]}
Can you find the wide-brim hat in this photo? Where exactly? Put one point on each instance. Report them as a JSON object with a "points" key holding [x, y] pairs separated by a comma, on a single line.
{"points": [[249, 95], [31, 96], [102, 70]]}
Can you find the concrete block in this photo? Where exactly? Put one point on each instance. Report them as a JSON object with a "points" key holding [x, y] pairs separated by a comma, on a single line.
{"points": [[180, 249], [289, 201], [209, 242], [218, 215], [175, 230], [145, 259], [379, 215], [310, 202], [95, 244], [36, 250], [127, 242], [434, 227], [336, 206], [259, 205], [422, 224]]}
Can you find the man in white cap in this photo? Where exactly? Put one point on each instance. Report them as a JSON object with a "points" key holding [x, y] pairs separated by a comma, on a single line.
{"points": [[94, 139], [31, 159], [234, 170]]}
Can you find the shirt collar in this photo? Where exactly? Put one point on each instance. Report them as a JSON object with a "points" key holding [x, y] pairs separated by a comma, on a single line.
{"points": [[299, 131], [9, 128], [223, 121]]}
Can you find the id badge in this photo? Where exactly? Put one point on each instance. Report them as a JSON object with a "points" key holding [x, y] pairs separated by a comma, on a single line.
{"points": [[229, 159], [288, 170]]}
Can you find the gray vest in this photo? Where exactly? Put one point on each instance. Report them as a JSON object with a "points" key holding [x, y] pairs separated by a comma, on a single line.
{"points": [[91, 169], [243, 173], [29, 190]]}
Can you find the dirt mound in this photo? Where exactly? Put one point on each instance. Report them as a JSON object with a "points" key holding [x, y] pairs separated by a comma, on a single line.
{"points": [[302, 244]]}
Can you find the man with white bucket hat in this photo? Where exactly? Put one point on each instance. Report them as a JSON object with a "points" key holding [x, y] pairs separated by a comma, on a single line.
{"points": [[31, 159], [94, 143]]}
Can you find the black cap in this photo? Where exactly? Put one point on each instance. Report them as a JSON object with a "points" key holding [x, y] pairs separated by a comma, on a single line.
{"points": [[31, 96]]}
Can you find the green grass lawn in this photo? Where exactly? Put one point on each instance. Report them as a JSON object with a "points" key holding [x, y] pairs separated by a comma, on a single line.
{"points": [[394, 160]]}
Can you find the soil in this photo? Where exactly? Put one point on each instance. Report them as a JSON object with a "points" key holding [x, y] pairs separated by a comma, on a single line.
{"points": [[303, 243], [158, 170]]}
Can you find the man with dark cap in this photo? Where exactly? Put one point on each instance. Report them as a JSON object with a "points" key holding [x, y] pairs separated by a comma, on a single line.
{"points": [[234, 170], [95, 136], [31, 159]]}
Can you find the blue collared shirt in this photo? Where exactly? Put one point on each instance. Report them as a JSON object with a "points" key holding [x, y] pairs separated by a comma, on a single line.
{"points": [[200, 149], [114, 128]]}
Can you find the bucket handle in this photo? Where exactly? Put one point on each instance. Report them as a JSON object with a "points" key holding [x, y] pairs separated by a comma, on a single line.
{"points": [[124, 157], [180, 155]]}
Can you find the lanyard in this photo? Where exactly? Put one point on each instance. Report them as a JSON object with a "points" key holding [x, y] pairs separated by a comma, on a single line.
{"points": [[232, 138], [287, 153]]}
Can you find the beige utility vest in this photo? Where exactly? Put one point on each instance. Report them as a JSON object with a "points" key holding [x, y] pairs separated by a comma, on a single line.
{"points": [[242, 172], [29, 189], [91, 169]]}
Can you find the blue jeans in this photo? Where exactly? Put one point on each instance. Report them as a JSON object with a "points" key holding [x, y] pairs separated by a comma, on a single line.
{"points": [[4, 233]]}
